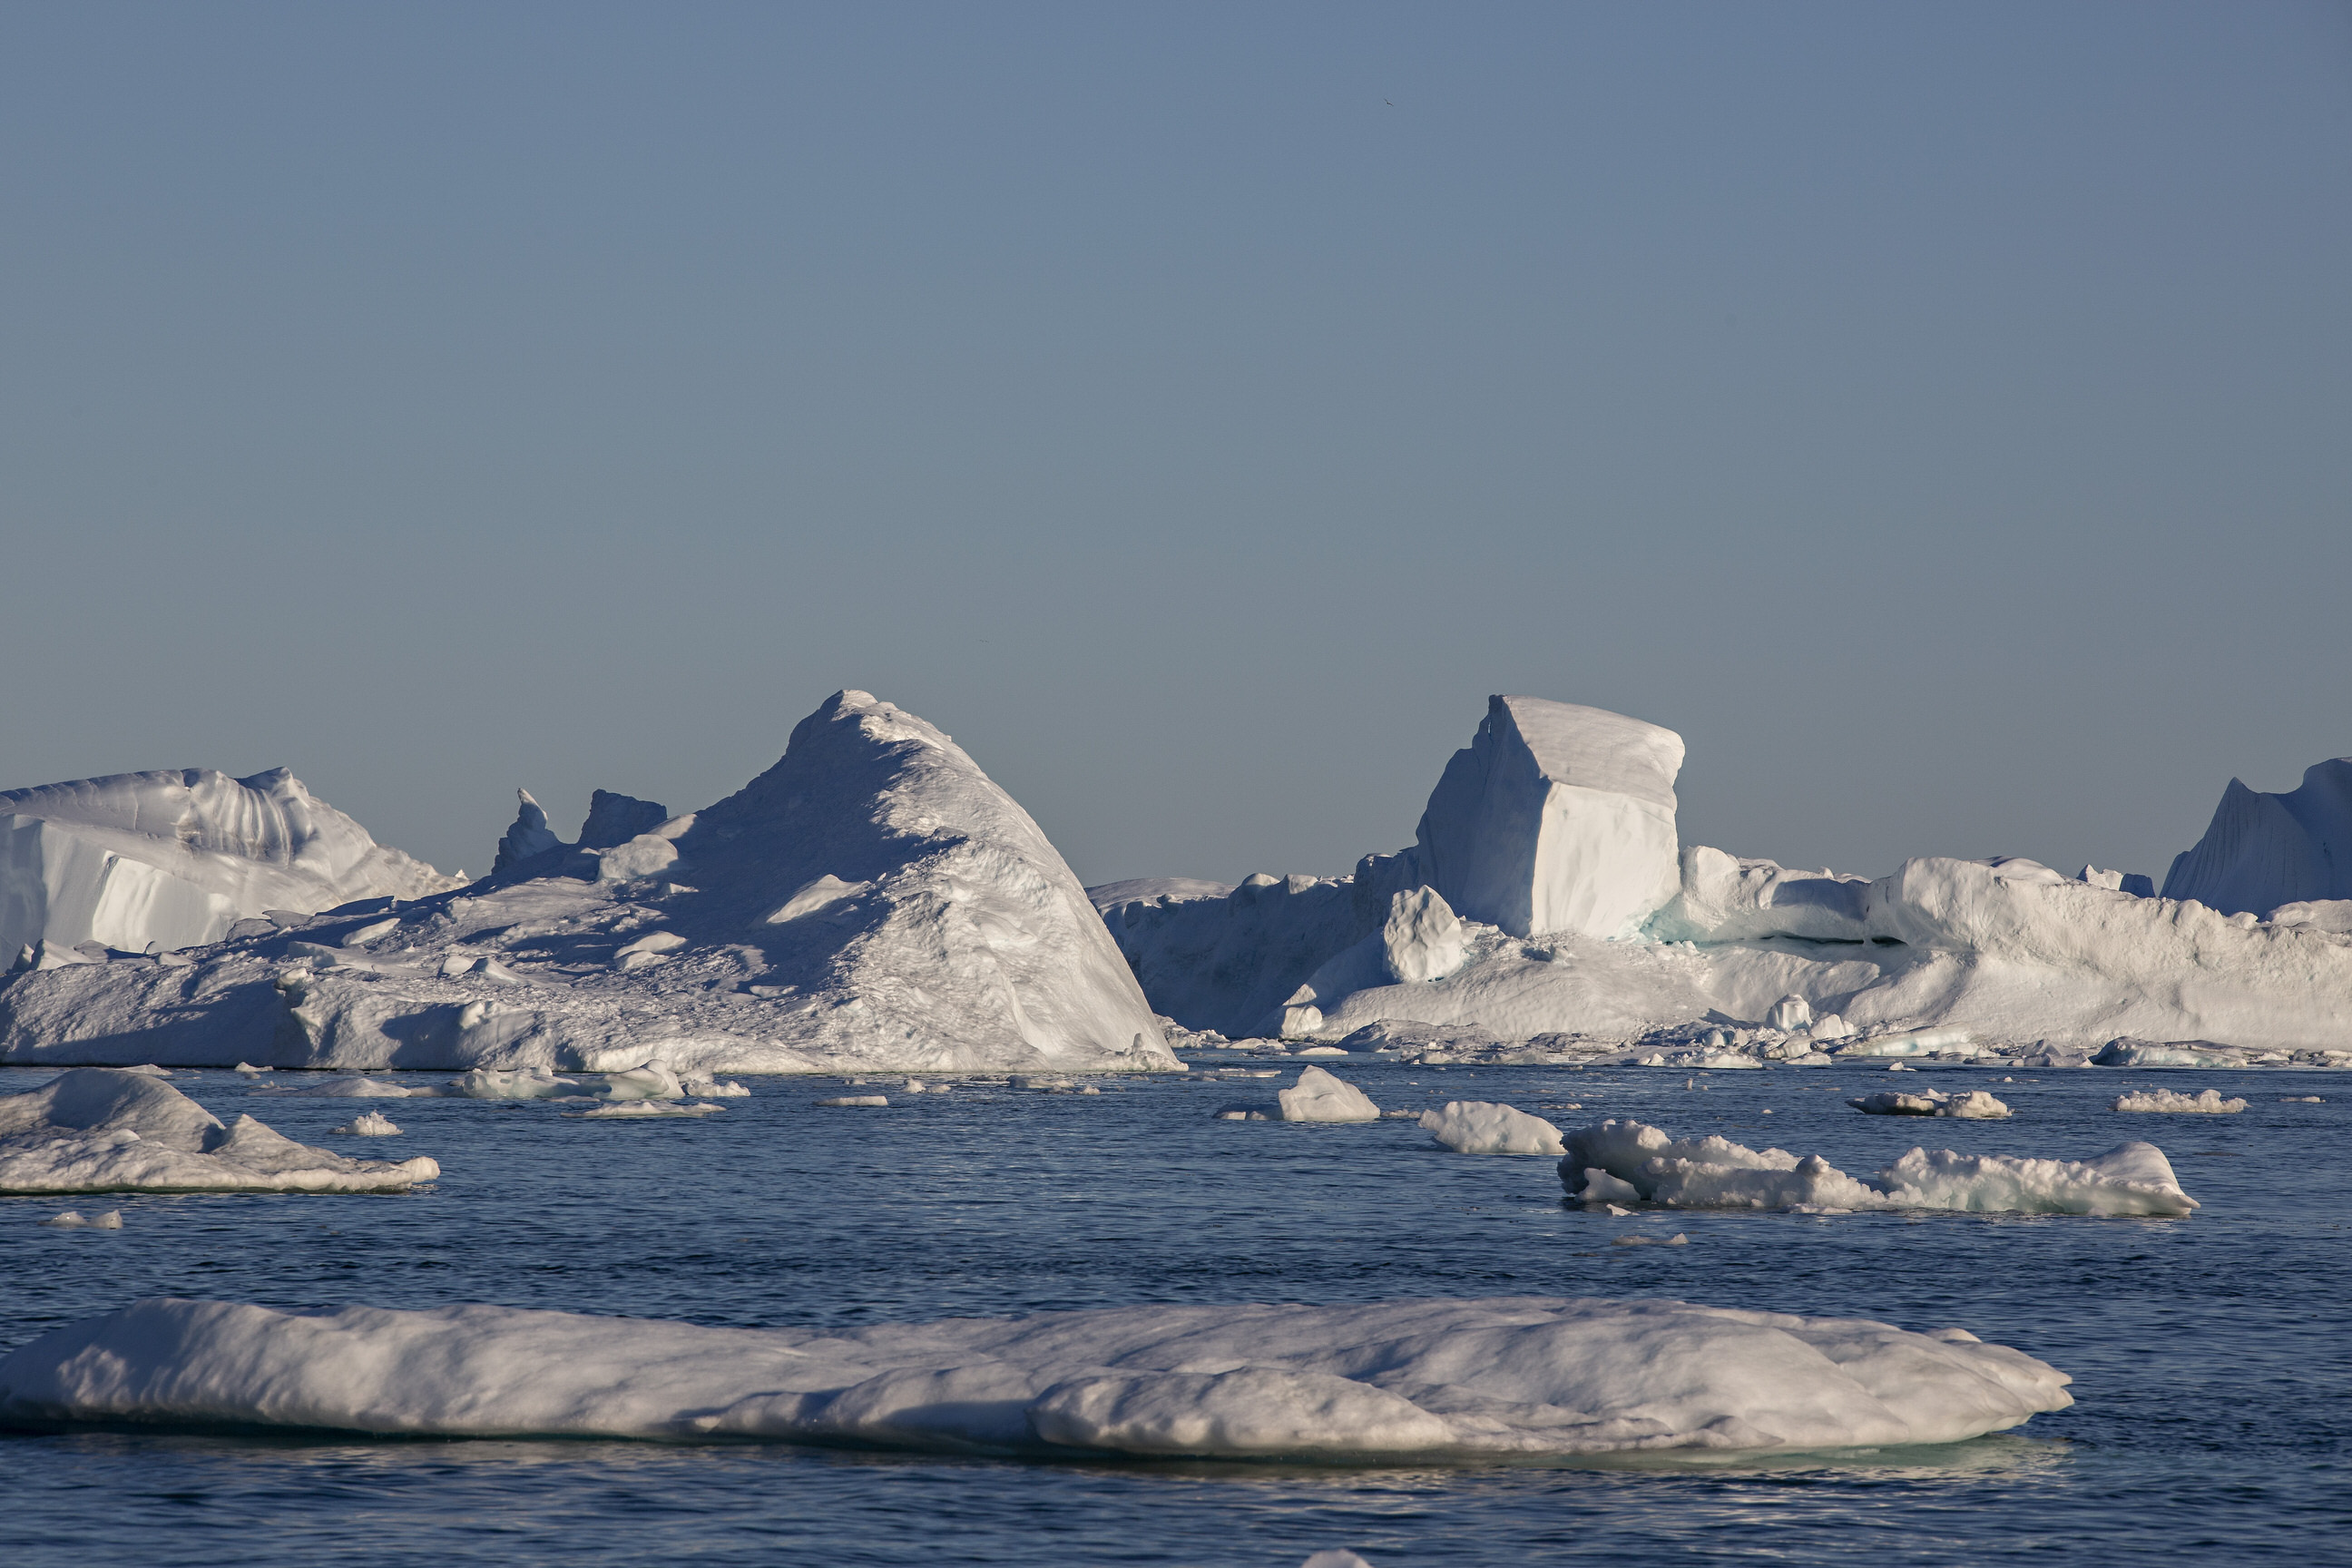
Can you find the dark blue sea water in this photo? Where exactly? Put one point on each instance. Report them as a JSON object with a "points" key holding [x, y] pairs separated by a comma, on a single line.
{"points": [[2212, 1356]]}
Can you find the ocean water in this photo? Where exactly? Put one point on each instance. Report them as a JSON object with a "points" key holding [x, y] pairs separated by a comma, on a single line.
{"points": [[2212, 1355]]}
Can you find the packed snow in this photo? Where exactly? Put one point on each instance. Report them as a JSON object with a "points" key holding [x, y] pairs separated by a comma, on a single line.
{"points": [[1622, 1161], [134, 863], [2167, 1101], [94, 1130], [1973, 1105], [1458, 1379], [872, 902], [1482, 1127]]}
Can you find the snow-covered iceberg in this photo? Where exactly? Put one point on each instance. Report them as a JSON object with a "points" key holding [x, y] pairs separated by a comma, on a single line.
{"points": [[1450, 1379], [1606, 1159], [170, 859], [874, 901], [97, 1130]]}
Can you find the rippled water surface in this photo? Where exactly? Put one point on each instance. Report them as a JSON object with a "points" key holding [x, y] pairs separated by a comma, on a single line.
{"points": [[2212, 1376]]}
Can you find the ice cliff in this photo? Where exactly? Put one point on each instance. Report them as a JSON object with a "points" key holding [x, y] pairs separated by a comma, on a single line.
{"points": [[163, 860], [874, 900]]}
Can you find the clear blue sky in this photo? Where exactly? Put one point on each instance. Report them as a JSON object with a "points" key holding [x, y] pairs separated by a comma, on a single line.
{"points": [[1942, 414]]}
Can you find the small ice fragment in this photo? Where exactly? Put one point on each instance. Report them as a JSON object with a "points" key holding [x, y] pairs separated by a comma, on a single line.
{"points": [[2167, 1102], [1335, 1557], [369, 1124], [69, 1220], [248, 1069], [857, 1099], [1677, 1239], [642, 1107], [2301, 1100], [111, 1220]]}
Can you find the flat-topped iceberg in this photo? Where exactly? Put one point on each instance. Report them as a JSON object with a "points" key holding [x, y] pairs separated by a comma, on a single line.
{"points": [[170, 859], [1620, 1160], [97, 1130], [1449, 1379], [874, 901]]}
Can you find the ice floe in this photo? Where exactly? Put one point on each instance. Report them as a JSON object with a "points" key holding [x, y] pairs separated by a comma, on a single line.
{"points": [[1973, 1105], [1318, 1095], [1648, 1164], [874, 901], [1451, 1379], [1482, 1127], [93, 1129], [636, 1109], [852, 1100], [369, 1124], [2169, 1102]]}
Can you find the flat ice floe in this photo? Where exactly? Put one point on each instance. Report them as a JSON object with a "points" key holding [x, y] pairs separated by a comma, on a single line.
{"points": [[1621, 1161], [2168, 1103], [97, 1130], [1971, 1105], [872, 902], [1461, 1379]]}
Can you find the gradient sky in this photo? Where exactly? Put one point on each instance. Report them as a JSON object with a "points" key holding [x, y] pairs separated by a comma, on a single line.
{"points": [[1940, 415]]}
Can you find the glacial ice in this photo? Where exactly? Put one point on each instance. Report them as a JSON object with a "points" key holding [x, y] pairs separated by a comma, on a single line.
{"points": [[1482, 1127], [1318, 1096], [94, 1130], [73, 1219], [2262, 851], [2168, 1102], [1715, 1172], [1974, 1104], [135, 862], [966, 945], [368, 1124], [1461, 1380]]}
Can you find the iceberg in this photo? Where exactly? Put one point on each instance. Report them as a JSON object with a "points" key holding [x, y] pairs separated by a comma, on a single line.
{"points": [[1715, 1172], [1481, 1127], [1460, 1380], [2261, 851], [2165, 1101], [1318, 1095], [94, 1130], [1973, 1105], [873, 901], [368, 1124], [139, 862]]}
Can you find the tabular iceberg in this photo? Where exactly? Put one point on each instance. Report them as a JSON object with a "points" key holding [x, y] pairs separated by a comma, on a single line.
{"points": [[1462, 1380], [170, 859], [874, 901], [97, 1130]]}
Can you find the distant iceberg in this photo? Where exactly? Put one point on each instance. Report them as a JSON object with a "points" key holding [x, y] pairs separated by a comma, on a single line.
{"points": [[1459, 1380], [874, 901]]}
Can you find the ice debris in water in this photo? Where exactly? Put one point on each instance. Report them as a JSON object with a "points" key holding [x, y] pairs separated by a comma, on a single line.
{"points": [[514, 1083], [2208, 1103], [72, 1220], [1481, 1127], [2301, 1100], [1973, 1105], [643, 1108], [361, 1087], [856, 1099], [369, 1124], [1677, 1239], [1335, 1557], [1622, 1161], [1365, 1384], [94, 1130], [1318, 1096]]}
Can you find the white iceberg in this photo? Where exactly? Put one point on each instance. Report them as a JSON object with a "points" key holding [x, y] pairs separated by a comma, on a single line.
{"points": [[1973, 1105], [1482, 1127], [1318, 1096], [368, 1124], [1715, 1172], [2262, 851], [2168, 1102], [136, 862], [94, 1130], [950, 937], [1451, 1379]]}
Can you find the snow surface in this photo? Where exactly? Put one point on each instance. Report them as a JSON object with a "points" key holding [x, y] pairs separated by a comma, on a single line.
{"points": [[1482, 1127], [2264, 850], [1461, 1379], [959, 940], [1715, 1172], [94, 1130], [2165, 1101], [175, 858], [1973, 1105]]}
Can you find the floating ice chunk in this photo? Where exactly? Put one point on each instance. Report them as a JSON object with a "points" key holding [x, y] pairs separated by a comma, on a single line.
{"points": [[2301, 1100], [1241, 1113], [1335, 1557], [1482, 1127], [1715, 1172], [1974, 1105], [249, 1070], [711, 1088], [1319, 1097], [1677, 1239], [651, 1082], [1464, 1379], [95, 1129], [72, 1219], [640, 1108], [2167, 1101], [369, 1124], [511, 1083], [857, 1099], [361, 1087]]}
